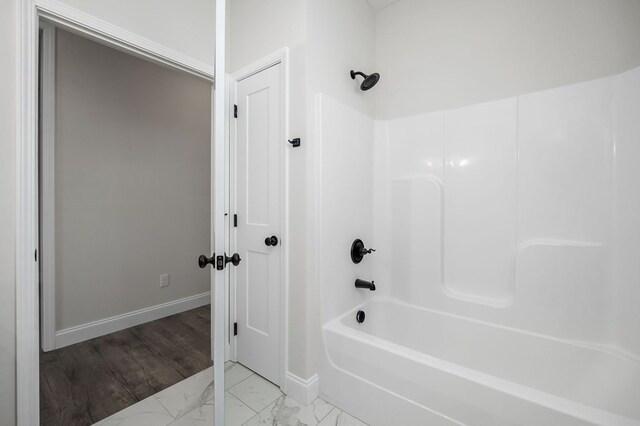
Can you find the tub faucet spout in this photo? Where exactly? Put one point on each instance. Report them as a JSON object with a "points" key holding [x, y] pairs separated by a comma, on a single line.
{"points": [[365, 284]]}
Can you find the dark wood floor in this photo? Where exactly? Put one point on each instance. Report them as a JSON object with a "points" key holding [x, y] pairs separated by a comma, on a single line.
{"points": [[86, 382]]}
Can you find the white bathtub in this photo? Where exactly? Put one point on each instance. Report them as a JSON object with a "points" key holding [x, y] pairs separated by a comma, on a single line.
{"points": [[411, 366]]}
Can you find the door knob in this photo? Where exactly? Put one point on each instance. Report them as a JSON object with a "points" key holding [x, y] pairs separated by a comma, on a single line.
{"points": [[234, 259], [271, 241], [203, 260]]}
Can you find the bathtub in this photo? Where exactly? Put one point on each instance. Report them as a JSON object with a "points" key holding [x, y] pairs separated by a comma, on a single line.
{"points": [[412, 366]]}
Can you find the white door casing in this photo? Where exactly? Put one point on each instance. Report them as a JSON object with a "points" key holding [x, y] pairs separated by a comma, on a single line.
{"points": [[258, 205], [26, 212]]}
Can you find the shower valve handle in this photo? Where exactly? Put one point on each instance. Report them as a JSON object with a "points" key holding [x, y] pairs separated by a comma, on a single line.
{"points": [[358, 251]]}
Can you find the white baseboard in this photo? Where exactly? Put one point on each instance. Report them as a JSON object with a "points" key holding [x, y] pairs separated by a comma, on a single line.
{"points": [[303, 391], [83, 332]]}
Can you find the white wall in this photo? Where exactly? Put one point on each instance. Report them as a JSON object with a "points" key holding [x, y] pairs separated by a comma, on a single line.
{"points": [[435, 55], [258, 27], [132, 182], [251, 36], [8, 82], [326, 40], [186, 26], [341, 38]]}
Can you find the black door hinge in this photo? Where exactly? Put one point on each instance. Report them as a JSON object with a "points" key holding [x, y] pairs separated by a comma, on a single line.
{"points": [[235, 328], [235, 111], [35, 255], [235, 220]]}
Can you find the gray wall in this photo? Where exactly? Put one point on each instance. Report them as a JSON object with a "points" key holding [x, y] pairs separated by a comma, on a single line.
{"points": [[8, 82], [435, 54], [132, 182]]}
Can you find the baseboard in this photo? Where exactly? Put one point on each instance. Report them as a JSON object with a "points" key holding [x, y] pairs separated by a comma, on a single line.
{"points": [[303, 391], [83, 332]]}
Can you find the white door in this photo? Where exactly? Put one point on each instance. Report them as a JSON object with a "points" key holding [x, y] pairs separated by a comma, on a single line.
{"points": [[259, 139]]}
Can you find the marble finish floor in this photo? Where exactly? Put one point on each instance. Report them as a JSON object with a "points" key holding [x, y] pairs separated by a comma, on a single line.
{"points": [[250, 401]]}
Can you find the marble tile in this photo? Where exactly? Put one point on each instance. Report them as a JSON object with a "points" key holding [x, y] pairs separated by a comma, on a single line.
{"points": [[287, 412], [321, 408], [148, 412], [234, 373], [338, 417], [202, 415], [256, 392], [190, 402], [190, 393], [236, 413]]}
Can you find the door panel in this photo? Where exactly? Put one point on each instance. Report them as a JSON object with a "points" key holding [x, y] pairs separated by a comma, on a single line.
{"points": [[257, 292], [259, 139]]}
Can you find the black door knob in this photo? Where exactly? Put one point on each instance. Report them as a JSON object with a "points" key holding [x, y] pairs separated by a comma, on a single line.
{"points": [[234, 259], [203, 260], [271, 241]]}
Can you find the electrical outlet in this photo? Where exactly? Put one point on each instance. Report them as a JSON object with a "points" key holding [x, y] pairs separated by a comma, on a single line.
{"points": [[164, 280]]}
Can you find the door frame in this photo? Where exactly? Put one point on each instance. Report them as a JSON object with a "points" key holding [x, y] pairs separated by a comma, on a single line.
{"points": [[46, 181], [28, 14], [280, 57]]}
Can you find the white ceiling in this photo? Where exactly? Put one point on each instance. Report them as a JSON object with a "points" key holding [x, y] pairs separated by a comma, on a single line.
{"points": [[379, 4]]}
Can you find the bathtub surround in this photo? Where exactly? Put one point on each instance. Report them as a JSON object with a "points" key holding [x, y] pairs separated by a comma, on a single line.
{"points": [[499, 227], [537, 239], [459, 203]]}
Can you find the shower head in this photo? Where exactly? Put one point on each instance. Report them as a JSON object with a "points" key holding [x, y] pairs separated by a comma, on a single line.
{"points": [[369, 80]]}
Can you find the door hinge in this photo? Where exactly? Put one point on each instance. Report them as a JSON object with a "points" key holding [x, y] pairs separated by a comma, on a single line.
{"points": [[235, 328], [35, 255], [235, 111], [235, 220]]}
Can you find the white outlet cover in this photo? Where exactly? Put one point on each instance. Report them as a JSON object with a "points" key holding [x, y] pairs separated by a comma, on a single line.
{"points": [[164, 280]]}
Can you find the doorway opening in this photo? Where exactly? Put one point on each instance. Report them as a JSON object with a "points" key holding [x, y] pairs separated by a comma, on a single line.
{"points": [[125, 210]]}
